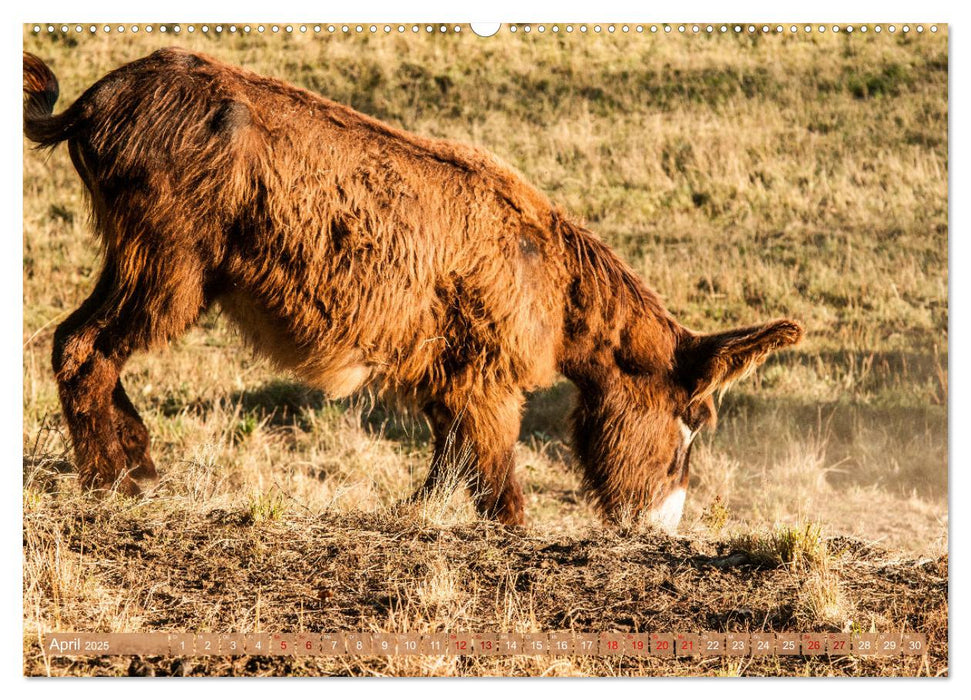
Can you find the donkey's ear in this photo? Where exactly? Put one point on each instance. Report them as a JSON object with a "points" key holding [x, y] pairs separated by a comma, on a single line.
{"points": [[707, 363]]}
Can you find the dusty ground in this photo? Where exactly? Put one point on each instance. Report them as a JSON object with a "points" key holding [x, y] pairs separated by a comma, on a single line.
{"points": [[151, 568]]}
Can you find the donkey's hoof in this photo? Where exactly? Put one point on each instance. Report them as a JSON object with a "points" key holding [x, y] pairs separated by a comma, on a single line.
{"points": [[145, 476], [127, 486], [147, 482]]}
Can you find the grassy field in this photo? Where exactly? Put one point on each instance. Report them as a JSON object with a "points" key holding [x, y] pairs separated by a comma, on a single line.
{"points": [[745, 177]]}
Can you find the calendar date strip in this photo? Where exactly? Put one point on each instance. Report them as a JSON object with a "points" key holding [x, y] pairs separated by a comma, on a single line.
{"points": [[653, 644]]}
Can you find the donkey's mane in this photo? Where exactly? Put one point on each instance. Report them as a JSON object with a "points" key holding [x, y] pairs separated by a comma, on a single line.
{"points": [[609, 293]]}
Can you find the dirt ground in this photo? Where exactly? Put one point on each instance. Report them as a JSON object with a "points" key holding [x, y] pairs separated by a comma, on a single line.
{"points": [[151, 568]]}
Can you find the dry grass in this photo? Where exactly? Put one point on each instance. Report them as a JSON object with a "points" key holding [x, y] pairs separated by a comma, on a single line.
{"points": [[744, 177], [161, 565], [803, 551]]}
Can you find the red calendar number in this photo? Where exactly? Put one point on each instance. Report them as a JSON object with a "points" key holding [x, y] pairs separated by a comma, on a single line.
{"points": [[460, 644], [688, 645], [838, 644], [611, 644], [813, 644], [638, 644], [663, 644]]}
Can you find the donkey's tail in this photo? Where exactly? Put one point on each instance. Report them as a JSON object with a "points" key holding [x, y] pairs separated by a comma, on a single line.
{"points": [[41, 125]]}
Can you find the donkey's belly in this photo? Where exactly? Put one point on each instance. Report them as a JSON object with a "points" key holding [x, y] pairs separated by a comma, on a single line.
{"points": [[340, 377], [313, 357]]}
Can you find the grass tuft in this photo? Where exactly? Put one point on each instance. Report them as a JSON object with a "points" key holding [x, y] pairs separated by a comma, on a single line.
{"points": [[794, 547], [263, 507]]}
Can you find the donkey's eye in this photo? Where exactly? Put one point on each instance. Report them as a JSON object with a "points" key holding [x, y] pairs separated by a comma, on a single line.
{"points": [[698, 416]]}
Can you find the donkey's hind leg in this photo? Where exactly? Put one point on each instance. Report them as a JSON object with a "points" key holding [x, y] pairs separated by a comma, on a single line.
{"points": [[84, 377], [156, 303], [133, 435]]}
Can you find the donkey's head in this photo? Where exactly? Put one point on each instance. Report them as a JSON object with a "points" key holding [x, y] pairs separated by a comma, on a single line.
{"points": [[633, 429]]}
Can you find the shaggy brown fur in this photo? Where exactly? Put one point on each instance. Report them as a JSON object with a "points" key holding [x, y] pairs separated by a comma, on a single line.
{"points": [[354, 254]]}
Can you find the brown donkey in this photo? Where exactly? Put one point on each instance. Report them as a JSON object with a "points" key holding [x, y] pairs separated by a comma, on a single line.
{"points": [[353, 253]]}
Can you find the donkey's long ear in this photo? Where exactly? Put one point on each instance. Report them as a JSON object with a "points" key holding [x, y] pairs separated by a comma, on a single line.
{"points": [[706, 363]]}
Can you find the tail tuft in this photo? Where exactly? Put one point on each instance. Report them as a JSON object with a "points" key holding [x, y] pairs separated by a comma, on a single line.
{"points": [[40, 87], [40, 95]]}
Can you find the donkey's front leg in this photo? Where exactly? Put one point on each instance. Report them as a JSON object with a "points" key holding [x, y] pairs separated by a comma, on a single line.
{"points": [[475, 445]]}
